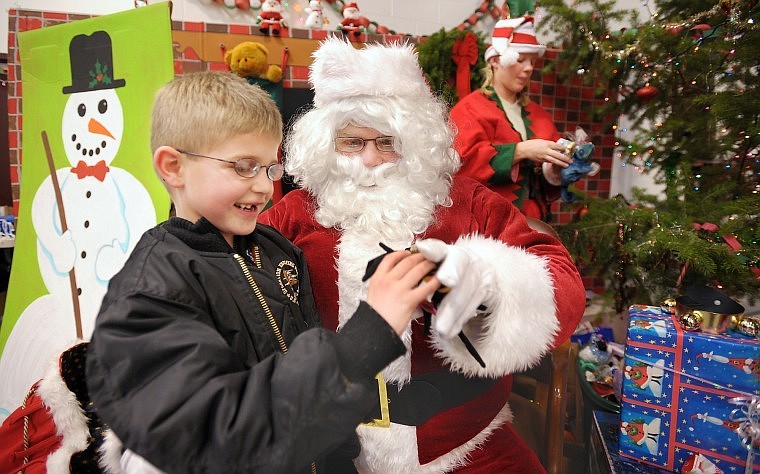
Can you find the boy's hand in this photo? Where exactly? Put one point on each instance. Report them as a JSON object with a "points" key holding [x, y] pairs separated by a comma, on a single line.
{"points": [[396, 287]]}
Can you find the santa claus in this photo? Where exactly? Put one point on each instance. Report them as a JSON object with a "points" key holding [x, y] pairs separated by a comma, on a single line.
{"points": [[374, 162]]}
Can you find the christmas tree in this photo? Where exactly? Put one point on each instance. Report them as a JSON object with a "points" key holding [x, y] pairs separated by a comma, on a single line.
{"points": [[687, 79]]}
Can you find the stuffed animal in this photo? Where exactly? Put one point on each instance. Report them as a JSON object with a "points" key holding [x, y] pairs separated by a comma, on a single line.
{"points": [[316, 19], [581, 166], [270, 18], [249, 60]]}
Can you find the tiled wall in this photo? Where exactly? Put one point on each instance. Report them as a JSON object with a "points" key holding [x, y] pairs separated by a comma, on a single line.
{"points": [[200, 46]]}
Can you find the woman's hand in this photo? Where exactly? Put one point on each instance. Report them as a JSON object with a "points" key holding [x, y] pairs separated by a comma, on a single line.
{"points": [[396, 288], [542, 151]]}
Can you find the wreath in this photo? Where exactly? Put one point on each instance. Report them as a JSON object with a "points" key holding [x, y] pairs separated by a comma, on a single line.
{"points": [[451, 57]]}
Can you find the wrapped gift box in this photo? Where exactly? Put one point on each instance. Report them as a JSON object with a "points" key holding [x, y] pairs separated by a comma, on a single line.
{"points": [[680, 392]]}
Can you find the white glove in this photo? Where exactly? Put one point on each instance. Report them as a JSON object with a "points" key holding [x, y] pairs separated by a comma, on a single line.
{"points": [[465, 275]]}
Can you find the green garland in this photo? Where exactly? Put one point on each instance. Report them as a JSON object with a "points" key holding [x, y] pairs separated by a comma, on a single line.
{"points": [[435, 55]]}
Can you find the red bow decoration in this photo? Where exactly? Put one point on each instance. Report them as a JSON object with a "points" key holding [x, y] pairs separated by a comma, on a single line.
{"points": [[730, 240], [465, 55], [98, 170], [708, 226]]}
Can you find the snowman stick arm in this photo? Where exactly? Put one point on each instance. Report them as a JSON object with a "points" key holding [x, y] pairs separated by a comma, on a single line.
{"points": [[54, 178], [64, 228]]}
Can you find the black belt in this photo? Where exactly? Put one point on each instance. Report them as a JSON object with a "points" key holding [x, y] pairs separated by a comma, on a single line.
{"points": [[424, 396]]}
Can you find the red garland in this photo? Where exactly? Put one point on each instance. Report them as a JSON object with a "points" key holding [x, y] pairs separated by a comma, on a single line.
{"points": [[465, 55]]}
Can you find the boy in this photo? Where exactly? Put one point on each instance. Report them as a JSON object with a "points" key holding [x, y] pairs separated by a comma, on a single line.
{"points": [[206, 356]]}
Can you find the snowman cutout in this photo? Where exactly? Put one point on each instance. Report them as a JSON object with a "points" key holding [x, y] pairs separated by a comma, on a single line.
{"points": [[315, 19], [88, 217]]}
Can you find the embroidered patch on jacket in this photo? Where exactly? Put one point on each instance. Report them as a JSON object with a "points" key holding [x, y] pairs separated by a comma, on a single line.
{"points": [[287, 277]]}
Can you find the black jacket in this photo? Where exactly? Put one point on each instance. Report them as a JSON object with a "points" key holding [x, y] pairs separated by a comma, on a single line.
{"points": [[186, 368]]}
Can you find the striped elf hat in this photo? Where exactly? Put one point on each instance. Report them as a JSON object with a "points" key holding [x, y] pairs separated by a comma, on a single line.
{"points": [[511, 37]]}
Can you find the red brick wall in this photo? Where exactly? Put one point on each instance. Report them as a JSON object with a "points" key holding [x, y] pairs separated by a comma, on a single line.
{"points": [[201, 46]]}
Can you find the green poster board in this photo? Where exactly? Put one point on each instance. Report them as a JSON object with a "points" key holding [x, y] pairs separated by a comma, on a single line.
{"points": [[88, 189]]}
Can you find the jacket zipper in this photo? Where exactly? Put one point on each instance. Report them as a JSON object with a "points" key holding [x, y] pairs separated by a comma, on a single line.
{"points": [[262, 302], [268, 312]]}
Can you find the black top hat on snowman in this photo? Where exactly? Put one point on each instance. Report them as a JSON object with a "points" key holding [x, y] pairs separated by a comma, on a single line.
{"points": [[92, 64], [705, 298]]}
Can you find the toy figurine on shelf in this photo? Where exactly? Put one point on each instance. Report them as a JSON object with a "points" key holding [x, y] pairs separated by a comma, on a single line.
{"points": [[352, 20], [315, 19], [270, 19]]}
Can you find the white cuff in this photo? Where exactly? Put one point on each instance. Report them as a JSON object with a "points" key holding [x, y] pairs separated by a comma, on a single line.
{"points": [[521, 323]]}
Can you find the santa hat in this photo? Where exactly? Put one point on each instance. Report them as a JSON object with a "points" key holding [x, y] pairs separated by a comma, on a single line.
{"points": [[340, 71], [512, 37], [349, 5]]}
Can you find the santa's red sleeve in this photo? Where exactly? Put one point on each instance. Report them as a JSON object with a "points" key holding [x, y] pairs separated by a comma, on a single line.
{"points": [[536, 298]]}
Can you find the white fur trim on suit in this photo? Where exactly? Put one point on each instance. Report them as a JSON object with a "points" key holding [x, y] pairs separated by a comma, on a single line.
{"points": [[394, 449], [114, 461], [110, 453], [68, 416], [355, 250], [521, 322]]}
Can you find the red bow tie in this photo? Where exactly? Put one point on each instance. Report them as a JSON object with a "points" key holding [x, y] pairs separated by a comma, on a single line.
{"points": [[98, 170]]}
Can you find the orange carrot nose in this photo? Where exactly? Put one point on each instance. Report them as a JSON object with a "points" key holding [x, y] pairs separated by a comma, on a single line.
{"points": [[96, 127]]}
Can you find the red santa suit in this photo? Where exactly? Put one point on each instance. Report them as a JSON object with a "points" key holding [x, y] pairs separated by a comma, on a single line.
{"points": [[524, 321], [486, 141]]}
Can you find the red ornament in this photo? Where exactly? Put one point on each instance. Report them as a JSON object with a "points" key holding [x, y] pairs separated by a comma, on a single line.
{"points": [[674, 29], [647, 93], [697, 31]]}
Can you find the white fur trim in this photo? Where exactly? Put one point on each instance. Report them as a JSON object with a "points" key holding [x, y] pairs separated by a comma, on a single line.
{"points": [[340, 71], [114, 461], [68, 415], [394, 449], [522, 322], [508, 57], [355, 249], [133, 463], [110, 453]]}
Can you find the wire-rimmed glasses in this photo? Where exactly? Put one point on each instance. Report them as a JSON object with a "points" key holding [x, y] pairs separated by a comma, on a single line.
{"points": [[246, 167], [357, 144]]}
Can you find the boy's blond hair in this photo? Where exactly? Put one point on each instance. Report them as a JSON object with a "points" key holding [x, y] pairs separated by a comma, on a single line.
{"points": [[198, 111]]}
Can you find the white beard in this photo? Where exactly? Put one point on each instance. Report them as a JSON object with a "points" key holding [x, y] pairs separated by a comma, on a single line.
{"points": [[371, 206], [380, 202]]}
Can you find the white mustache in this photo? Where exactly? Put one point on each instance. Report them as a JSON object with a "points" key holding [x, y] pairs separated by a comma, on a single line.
{"points": [[356, 174]]}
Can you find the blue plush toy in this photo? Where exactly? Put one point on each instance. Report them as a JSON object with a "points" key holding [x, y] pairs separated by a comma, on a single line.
{"points": [[580, 167]]}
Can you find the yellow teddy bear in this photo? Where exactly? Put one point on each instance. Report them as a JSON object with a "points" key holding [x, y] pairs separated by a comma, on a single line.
{"points": [[249, 60]]}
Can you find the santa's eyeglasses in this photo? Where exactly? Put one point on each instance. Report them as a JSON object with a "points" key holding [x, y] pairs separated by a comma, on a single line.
{"points": [[356, 144], [246, 167]]}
